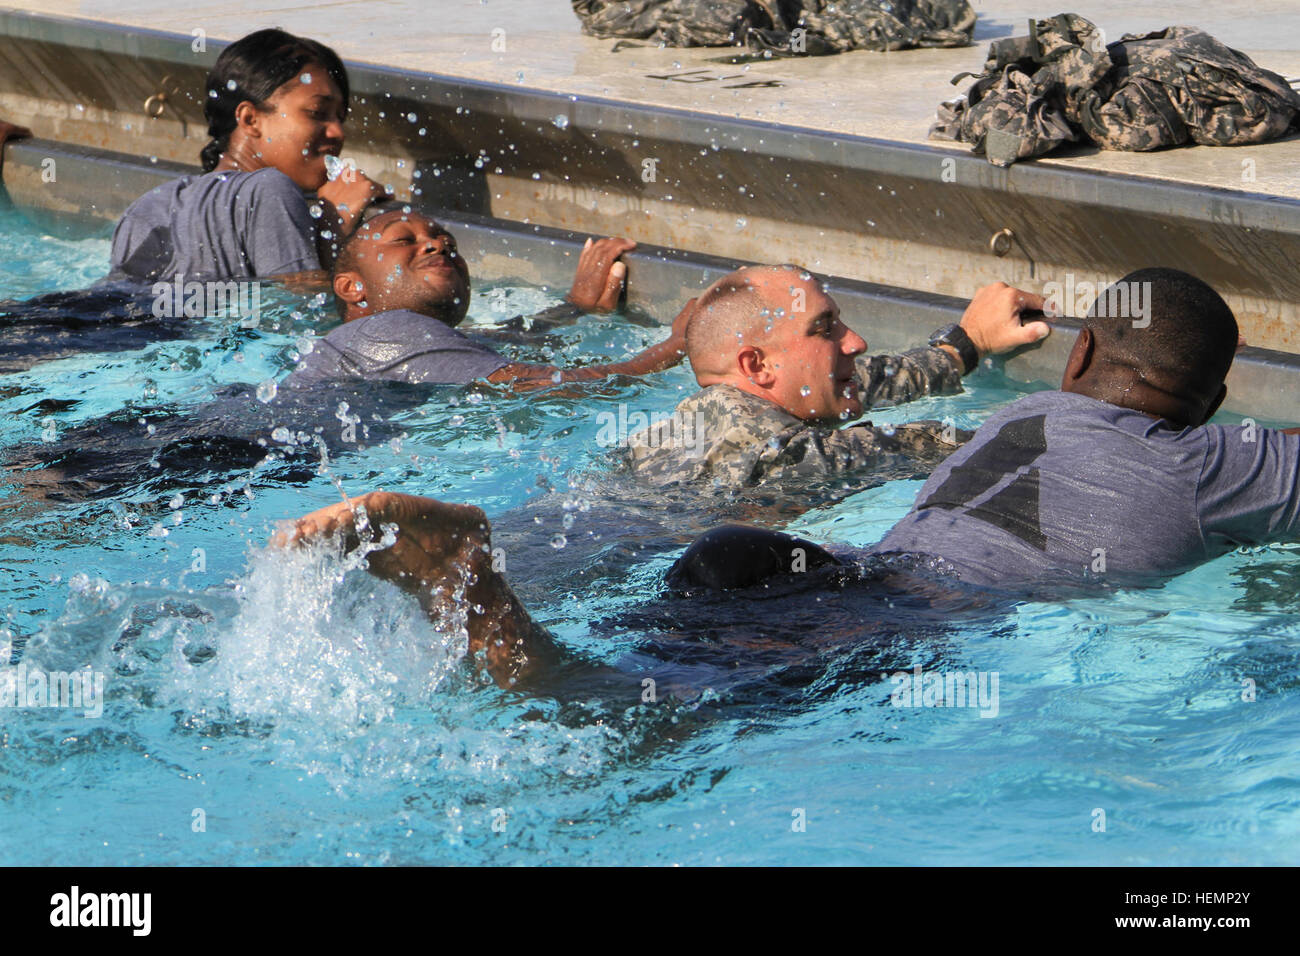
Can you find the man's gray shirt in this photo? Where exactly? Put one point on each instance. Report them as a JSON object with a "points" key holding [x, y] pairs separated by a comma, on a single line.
{"points": [[398, 346], [1060, 486], [221, 225]]}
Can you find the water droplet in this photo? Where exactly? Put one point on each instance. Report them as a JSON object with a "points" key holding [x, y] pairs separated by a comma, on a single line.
{"points": [[558, 541], [561, 121], [805, 391], [178, 500], [306, 78], [266, 391]]}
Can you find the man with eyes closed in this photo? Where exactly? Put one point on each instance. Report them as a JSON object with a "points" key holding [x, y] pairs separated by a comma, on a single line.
{"points": [[403, 288]]}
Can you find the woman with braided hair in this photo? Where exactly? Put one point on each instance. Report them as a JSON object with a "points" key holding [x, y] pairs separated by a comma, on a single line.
{"points": [[275, 105]]}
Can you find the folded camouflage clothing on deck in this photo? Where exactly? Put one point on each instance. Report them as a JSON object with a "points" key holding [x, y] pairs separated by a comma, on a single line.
{"points": [[1145, 91], [783, 26]]}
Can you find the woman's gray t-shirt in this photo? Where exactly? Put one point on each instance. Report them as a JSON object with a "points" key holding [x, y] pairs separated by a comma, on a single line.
{"points": [[397, 346], [217, 226]]}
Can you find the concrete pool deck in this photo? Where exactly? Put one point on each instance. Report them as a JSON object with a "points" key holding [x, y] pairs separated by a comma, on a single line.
{"points": [[884, 96]]}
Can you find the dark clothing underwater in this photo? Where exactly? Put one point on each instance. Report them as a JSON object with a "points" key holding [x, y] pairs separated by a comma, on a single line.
{"points": [[108, 318]]}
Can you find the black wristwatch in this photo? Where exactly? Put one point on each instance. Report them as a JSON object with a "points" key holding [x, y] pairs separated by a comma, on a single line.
{"points": [[955, 337]]}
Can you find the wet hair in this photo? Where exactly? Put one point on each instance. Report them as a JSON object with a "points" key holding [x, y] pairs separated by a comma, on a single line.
{"points": [[253, 68], [347, 260], [1192, 335], [729, 307]]}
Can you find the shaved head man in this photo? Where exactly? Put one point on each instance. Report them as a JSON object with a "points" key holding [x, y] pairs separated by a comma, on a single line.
{"points": [[780, 371]]}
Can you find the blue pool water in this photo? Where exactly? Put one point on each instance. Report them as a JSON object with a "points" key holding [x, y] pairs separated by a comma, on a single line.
{"points": [[306, 713]]}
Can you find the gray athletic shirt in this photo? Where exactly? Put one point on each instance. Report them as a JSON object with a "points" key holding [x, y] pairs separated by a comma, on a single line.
{"points": [[221, 225], [397, 346], [1060, 486]]}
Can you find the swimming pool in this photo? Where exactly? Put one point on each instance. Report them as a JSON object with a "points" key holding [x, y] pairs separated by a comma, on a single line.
{"points": [[269, 709]]}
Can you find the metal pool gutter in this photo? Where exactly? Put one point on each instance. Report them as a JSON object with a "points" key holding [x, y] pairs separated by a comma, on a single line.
{"points": [[97, 185]]}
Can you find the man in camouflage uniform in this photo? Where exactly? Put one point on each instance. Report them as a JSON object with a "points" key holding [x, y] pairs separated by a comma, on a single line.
{"points": [[1146, 91], [780, 372], [783, 26]]}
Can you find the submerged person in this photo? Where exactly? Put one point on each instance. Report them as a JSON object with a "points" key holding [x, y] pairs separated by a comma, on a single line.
{"points": [[779, 371], [1117, 478], [442, 554], [275, 105], [403, 288], [236, 433]]}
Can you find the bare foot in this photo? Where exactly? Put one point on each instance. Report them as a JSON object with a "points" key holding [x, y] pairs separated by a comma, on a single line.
{"points": [[438, 546]]}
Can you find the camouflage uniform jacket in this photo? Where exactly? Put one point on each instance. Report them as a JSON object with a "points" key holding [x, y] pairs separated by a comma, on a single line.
{"points": [[1146, 91], [827, 26], [727, 436]]}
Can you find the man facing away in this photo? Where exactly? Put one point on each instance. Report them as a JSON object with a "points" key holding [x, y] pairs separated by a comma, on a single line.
{"points": [[1115, 478], [1117, 475]]}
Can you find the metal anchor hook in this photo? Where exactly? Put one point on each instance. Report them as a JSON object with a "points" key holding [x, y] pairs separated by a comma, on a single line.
{"points": [[1001, 241], [156, 105]]}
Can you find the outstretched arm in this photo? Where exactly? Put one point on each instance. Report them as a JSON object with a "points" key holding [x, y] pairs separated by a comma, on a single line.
{"points": [[439, 546], [992, 320], [656, 358]]}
